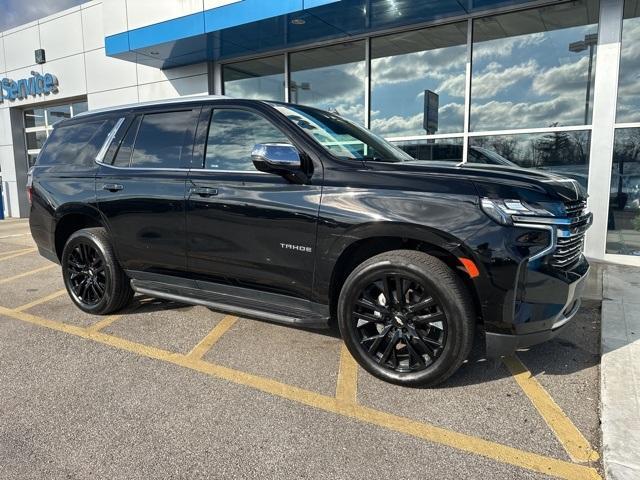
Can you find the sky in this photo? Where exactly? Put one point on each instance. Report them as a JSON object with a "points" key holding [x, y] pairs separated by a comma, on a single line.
{"points": [[17, 12]]}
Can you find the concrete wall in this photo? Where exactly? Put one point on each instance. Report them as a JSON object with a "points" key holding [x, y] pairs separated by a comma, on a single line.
{"points": [[124, 15], [74, 44]]}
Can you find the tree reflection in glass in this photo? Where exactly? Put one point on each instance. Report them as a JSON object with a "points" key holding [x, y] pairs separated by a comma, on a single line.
{"points": [[623, 235], [564, 153]]}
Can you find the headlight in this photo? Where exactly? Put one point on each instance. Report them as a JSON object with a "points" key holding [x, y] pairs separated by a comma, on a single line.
{"points": [[503, 211]]}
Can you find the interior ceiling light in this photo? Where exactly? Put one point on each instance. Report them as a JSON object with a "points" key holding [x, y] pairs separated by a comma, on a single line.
{"points": [[298, 21]]}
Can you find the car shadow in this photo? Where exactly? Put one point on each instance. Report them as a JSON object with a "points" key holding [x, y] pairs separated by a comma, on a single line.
{"points": [[575, 349]]}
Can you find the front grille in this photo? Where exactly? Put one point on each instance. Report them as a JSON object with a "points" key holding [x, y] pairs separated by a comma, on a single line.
{"points": [[575, 209], [571, 241], [568, 251]]}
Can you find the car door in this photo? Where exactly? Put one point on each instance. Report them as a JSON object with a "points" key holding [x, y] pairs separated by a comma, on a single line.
{"points": [[141, 190], [245, 227]]}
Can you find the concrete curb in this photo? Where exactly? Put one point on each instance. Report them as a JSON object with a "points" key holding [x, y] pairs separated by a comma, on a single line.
{"points": [[620, 372]]}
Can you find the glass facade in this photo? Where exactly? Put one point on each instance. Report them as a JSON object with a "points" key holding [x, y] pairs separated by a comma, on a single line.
{"points": [[623, 226], [565, 153], [534, 68], [628, 106], [331, 78], [39, 122], [407, 69], [261, 79]]}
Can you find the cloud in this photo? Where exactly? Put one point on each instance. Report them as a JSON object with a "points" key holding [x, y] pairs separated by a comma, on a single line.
{"points": [[504, 47], [437, 64], [495, 78], [496, 115], [18, 12], [449, 118]]}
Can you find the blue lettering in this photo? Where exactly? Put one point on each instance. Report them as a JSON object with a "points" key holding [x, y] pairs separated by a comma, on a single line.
{"points": [[36, 85], [22, 89], [50, 83]]}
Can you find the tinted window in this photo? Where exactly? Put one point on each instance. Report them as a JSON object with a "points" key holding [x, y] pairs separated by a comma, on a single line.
{"points": [[75, 144], [123, 157], [160, 139], [232, 136]]}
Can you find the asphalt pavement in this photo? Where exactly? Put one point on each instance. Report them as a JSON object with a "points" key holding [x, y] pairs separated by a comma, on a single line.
{"points": [[164, 390]]}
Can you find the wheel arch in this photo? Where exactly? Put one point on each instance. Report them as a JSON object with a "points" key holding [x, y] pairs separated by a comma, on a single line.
{"points": [[371, 242], [72, 219]]}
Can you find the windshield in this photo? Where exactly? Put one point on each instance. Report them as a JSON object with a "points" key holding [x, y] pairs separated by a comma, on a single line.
{"points": [[341, 137]]}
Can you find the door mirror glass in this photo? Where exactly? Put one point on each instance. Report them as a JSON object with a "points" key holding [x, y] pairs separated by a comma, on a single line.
{"points": [[276, 157]]}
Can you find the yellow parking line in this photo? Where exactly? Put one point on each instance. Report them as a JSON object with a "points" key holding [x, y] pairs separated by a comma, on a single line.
{"points": [[460, 441], [16, 253], [105, 322], [578, 447], [26, 274], [214, 335], [41, 300], [347, 386]]}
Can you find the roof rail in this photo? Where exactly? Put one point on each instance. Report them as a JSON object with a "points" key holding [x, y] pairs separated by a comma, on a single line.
{"points": [[167, 101]]}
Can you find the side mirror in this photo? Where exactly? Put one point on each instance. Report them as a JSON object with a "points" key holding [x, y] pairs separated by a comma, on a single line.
{"points": [[276, 157]]}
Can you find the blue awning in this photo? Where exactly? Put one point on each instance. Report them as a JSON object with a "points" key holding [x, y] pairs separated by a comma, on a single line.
{"points": [[259, 26]]}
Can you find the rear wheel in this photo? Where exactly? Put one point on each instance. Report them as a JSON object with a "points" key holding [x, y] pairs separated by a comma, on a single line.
{"points": [[406, 318], [93, 278]]}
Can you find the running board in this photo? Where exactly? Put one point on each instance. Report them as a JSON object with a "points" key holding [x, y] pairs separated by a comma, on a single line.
{"points": [[245, 302]]}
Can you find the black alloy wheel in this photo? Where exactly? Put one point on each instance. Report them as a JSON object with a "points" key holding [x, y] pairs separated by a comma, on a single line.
{"points": [[87, 274], [94, 279], [406, 318], [400, 323]]}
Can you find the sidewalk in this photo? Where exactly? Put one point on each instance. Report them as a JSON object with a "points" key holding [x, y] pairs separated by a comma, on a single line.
{"points": [[620, 372]]}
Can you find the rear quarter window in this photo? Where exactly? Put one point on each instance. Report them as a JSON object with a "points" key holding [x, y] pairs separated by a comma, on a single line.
{"points": [[76, 144]]}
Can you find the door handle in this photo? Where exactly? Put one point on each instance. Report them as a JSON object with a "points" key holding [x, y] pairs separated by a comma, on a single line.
{"points": [[204, 191], [112, 187]]}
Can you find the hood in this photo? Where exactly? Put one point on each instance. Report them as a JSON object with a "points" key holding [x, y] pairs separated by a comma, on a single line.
{"points": [[505, 181]]}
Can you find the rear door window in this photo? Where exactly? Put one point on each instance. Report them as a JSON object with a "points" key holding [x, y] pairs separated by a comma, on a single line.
{"points": [[76, 144], [163, 139], [123, 156]]}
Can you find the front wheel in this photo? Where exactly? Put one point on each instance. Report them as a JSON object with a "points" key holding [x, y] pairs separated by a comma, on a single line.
{"points": [[94, 280], [406, 318]]}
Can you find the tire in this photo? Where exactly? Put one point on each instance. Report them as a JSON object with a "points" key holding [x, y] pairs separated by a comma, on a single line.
{"points": [[93, 277], [432, 322]]}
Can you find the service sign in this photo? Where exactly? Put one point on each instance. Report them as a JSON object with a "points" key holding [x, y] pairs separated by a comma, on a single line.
{"points": [[34, 86]]}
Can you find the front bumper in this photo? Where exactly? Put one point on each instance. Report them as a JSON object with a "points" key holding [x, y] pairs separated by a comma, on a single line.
{"points": [[502, 344]]}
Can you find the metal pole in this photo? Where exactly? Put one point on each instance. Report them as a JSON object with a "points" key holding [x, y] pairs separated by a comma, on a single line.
{"points": [[587, 100]]}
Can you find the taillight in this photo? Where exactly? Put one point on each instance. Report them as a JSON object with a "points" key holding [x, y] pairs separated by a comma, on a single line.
{"points": [[30, 194]]}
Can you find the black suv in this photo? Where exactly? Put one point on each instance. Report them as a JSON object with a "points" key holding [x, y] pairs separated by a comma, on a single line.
{"points": [[296, 215]]}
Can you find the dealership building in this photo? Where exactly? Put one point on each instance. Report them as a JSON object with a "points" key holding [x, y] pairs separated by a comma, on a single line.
{"points": [[549, 85]]}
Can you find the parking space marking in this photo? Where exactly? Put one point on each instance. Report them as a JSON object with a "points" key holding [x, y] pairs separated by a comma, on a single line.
{"points": [[105, 322], [347, 385], [26, 274], [492, 450], [212, 338], [576, 445], [16, 253], [42, 300]]}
